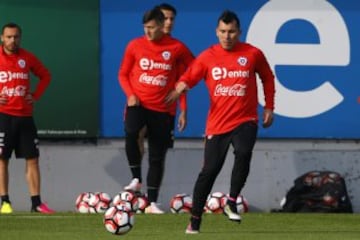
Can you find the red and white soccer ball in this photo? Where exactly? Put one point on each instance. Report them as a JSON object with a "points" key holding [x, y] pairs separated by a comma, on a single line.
{"points": [[215, 202], [118, 220], [82, 202], [128, 199], [143, 203], [242, 204], [181, 203], [99, 202]]}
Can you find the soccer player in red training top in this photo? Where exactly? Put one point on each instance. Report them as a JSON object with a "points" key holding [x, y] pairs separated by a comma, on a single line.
{"points": [[229, 69], [17, 128], [170, 13], [147, 74]]}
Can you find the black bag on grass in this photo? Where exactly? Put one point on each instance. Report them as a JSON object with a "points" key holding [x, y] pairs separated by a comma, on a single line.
{"points": [[318, 191]]}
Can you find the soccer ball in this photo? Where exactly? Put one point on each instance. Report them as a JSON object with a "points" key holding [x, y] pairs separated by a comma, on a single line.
{"points": [[143, 203], [118, 220], [82, 202], [127, 198], [215, 202], [242, 204], [181, 203], [99, 202]]}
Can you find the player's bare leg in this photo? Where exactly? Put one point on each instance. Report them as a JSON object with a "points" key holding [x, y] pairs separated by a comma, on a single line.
{"points": [[4, 177], [32, 173], [4, 187]]}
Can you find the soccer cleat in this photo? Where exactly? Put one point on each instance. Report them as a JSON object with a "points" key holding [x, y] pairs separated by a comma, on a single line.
{"points": [[134, 185], [153, 209], [43, 208], [194, 225], [6, 208], [191, 230], [232, 213]]}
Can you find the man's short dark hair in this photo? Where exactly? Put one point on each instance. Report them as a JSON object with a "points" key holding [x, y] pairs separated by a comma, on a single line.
{"points": [[154, 14], [11, 25], [166, 6], [228, 16]]}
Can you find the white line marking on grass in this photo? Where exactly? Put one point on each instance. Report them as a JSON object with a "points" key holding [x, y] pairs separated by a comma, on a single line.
{"points": [[43, 216]]}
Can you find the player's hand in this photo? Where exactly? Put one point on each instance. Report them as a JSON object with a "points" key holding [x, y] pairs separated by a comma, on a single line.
{"points": [[3, 99], [268, 118], [175, 94], [182, 120], [172, 97], [29, 98], [133, 101]]}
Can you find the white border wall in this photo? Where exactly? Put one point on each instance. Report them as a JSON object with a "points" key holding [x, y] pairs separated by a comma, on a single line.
{"points": [[69, 168]]}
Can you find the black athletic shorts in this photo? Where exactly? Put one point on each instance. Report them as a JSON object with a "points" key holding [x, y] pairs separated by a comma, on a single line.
{"points": [[18, 134], [159, 125]]}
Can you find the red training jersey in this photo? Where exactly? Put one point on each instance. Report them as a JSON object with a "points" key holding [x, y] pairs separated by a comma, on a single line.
{"points": [[150, 69], [15, 81], [230, 77]]}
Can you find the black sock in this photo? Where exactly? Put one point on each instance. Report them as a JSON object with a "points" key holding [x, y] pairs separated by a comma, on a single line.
{"points": [[35, 201], [232, 205], [195, 222], [153, 194], [136, 172], [5, 198]]}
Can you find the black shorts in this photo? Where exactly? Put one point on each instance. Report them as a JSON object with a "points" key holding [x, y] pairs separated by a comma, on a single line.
{"points": [[159, 125], [172, 133], [18, 134]]}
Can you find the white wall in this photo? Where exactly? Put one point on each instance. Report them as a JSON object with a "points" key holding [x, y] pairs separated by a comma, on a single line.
{"points": [[69, 168]]}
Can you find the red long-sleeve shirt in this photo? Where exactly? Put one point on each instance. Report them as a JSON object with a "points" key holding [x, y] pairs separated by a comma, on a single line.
{"points": [[230, 77], [15, 81], [150, 69]]}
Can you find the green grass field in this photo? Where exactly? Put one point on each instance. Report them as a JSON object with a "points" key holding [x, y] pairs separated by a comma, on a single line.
{"points": [[269, 226]]}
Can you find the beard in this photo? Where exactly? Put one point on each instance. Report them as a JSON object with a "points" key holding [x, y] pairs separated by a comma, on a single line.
{"points": [[13, 48]]}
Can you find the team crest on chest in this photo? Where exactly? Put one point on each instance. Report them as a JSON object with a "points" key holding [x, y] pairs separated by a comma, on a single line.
{"points": [[242, 61], [22, 63], [166, 55]]}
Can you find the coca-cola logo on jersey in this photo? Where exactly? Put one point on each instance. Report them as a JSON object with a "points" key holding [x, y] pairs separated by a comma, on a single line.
{"points": [[236, 90], [149, 64], [159, 80], [6, 76], [14, 92], [219, 73]]}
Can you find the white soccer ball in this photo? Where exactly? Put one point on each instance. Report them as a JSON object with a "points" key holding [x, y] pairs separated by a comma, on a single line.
{"points": [[127, 198], [242, 204], [181, 203], [215, 202], [99, 202], [82, 202], [118, 220], [143, 203]]}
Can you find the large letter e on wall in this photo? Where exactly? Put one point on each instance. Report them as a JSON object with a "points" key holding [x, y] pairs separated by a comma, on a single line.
{"points": [[333, 50]]}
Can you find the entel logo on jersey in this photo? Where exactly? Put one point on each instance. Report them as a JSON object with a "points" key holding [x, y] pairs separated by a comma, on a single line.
{"points": [[219, 73], [333, 50], [149, 64], [7, 76]]}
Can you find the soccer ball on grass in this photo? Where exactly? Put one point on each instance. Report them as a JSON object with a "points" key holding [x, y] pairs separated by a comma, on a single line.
{"points": [[127, 198], [82, 202], [215, 202], [99, 202], [119, 220], [143, 203], [181, 203]]}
